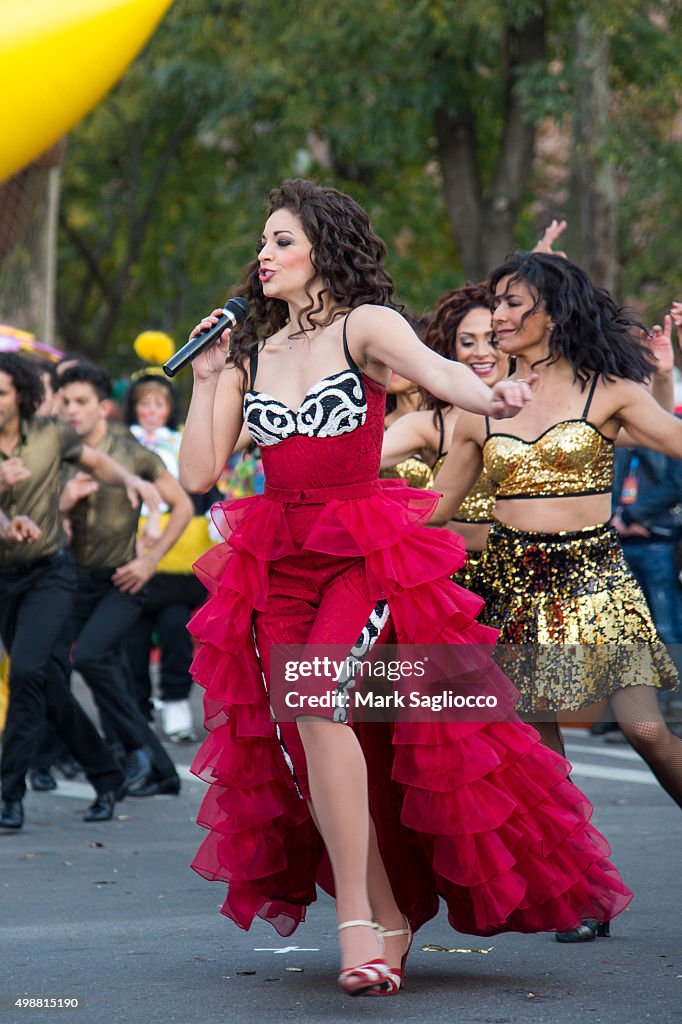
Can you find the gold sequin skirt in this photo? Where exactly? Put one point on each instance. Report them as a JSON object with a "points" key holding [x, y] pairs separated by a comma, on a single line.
{"points": [[574, 617], [467, 573]]}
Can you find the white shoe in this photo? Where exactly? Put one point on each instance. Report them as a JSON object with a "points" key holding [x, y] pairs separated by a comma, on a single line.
{"points": [[176, 721]]}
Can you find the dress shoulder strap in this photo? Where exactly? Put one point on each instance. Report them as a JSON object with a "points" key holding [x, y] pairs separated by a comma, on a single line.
{"points": [[253, 365], [590, 396], [346, 351], [487, 426]]}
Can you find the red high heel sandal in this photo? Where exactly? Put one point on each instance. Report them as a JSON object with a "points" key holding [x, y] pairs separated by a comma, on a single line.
{"points": [[370, 978], [396, 978]]}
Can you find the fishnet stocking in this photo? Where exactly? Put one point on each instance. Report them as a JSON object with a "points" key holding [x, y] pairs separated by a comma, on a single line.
{"points": [[636, 710]]}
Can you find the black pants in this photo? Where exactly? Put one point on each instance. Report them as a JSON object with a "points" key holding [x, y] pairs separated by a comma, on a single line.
{"points": [[101, 618], [168, 601], [35, 605]]}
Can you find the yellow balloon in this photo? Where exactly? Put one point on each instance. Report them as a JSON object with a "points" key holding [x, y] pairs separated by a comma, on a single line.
{"points": [[58, 59]]}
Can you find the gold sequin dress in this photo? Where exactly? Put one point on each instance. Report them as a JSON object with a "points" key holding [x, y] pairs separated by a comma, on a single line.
{"points": [[478, 508], [417, 473], [567, 603]]}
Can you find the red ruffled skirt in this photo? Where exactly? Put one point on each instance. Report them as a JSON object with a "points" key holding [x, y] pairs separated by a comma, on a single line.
{"points": [[478, 813]]}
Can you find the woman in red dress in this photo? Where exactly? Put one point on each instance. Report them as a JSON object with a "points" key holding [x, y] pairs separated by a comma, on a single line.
{"points": [[390, 816]]}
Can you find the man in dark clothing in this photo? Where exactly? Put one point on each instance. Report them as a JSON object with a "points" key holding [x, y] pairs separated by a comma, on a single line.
{"points": [[111, 572], [37, 582]]}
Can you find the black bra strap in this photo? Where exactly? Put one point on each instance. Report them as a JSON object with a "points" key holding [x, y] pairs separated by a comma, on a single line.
{"points": [[253, 365], [589, 397], [487, 426], [441, 432], [349, 359]]}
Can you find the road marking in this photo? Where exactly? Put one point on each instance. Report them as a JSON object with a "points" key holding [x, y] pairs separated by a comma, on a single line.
{"points": [[618, 753], [286, 949], [599, 771], [83, 791]]}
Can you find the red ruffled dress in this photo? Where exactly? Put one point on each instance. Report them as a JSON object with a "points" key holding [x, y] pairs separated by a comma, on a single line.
{"points": [[477, 813]]}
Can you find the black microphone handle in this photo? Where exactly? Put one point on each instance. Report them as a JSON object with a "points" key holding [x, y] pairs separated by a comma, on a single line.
{"points": [[191, 349]]}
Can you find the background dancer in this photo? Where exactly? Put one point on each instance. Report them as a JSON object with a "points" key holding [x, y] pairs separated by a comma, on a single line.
{"points": [[37, 581], [553, 571], [111, 574], [460, 329]]}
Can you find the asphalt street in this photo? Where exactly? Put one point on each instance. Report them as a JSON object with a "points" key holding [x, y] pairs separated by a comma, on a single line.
{"points": [[112, 915]]}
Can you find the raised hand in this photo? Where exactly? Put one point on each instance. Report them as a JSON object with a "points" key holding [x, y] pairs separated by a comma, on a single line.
{"points": [[212, 359], [546, 242], [660, 344]]}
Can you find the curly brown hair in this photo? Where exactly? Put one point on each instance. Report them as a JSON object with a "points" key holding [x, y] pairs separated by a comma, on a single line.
{"points": [[441, 332], [346, 253]]}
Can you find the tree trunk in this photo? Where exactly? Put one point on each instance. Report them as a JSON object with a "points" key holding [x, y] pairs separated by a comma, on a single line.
{"points": [[593, 206], [483, 222], [458, 155]]}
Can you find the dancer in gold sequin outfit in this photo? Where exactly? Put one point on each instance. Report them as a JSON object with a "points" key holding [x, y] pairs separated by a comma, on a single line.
{"points": [[553, 573], [460, 329]]}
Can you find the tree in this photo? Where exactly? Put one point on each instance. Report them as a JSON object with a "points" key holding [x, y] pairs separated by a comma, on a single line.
{"points": [[426, 111]]}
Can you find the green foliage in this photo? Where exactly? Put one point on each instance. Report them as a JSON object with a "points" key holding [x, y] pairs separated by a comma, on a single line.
{"points": [[164, 183]]}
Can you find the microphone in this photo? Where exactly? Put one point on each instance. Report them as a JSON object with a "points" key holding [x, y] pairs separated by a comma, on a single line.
{"points": [[234, 311]]}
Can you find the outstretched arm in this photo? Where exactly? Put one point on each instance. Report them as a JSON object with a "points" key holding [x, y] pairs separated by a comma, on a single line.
{"points": [[382, 338], [646, 423], [108, 471]]}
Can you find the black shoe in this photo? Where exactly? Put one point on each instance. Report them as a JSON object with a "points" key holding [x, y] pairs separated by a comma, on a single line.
{"points": [[68, 767], [137, 769], [587, 931], [43, 782], [11, 814], [161, 787], [601, 728], [102, 807]]}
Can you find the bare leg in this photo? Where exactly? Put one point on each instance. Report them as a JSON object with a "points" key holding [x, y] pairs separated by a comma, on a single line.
{"points": [[337, 776], [637, 712], [385, 910]]}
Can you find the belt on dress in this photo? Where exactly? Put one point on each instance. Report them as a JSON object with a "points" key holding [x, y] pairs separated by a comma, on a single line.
{"points": [[320, 495]]}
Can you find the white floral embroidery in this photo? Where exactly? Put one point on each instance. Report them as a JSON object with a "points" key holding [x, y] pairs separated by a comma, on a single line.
{"points": [[334, 406]]}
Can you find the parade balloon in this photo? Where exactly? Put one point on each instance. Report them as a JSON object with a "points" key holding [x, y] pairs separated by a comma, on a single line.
{"points": [[58, 59]]}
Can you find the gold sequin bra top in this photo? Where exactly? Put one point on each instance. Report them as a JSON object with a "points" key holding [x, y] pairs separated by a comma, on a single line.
{"points": [[569, 459]]}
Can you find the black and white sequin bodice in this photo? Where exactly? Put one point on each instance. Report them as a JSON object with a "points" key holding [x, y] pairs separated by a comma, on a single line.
{"points": [[333, 406]]}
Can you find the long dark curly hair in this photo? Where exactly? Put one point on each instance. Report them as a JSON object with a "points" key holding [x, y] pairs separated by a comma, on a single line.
{"points": [[26, 380], [347, 256], [591, 332], [441, 332]]}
